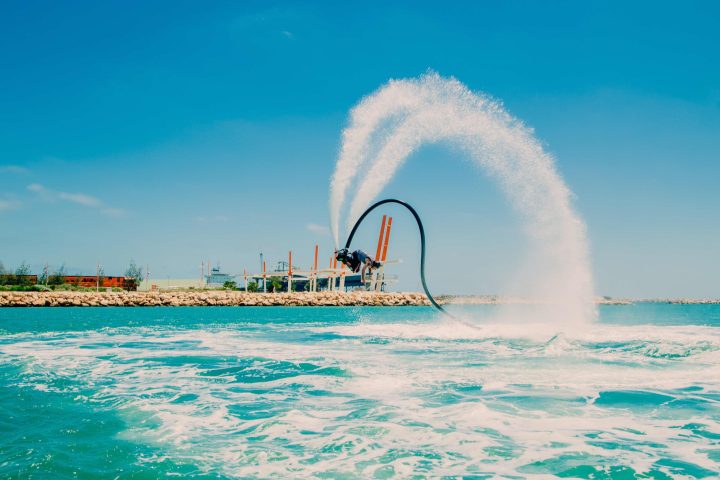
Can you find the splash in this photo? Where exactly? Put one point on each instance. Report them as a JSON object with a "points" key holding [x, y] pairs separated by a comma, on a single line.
{"points": [[387, 126]]}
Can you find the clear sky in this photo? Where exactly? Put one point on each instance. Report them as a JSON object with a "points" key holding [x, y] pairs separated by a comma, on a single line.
{"points": [[173, 132]]}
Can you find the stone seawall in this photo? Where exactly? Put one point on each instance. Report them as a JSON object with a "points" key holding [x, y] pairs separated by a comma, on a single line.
{"points": [[231, 298], [207, 298]]}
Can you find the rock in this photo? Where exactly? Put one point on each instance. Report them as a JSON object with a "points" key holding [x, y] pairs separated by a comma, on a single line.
{"points": [[195, 298]]}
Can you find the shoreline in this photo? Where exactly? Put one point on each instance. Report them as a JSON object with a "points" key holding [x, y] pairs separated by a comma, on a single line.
{"points": [[209, 298], [296, 299], [500, 300]]}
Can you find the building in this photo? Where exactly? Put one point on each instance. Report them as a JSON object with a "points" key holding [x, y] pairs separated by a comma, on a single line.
{"points": [[91, 281], [217, 278], [167, 283], [87, 281]]}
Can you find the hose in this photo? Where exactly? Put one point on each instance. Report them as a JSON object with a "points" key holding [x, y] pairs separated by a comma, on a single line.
{"points": [[422, 243]]}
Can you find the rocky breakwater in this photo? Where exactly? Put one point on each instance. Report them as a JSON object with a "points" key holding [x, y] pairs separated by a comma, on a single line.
{"points": [[207, 298]]}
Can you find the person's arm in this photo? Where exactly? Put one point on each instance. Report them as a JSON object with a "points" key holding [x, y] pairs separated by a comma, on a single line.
{"points": [[362, 272]]}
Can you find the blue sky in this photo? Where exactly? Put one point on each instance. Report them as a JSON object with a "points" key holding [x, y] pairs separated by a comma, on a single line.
{"points": [[174, 132]]}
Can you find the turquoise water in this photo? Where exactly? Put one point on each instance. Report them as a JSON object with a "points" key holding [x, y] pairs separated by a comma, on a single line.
{"points": [[357, 393]]}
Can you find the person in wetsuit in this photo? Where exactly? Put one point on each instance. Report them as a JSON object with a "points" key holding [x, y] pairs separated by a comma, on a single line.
{"points": [[357, 261]]}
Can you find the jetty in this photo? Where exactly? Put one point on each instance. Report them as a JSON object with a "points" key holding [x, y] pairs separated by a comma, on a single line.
{"points": [[210, 298]]}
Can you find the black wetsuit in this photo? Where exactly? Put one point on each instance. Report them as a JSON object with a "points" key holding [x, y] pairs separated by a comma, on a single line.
{"points": [[357, 260]]}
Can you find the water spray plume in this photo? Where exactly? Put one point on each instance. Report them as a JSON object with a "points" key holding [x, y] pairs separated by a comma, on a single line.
{"points": [[389, 125]]}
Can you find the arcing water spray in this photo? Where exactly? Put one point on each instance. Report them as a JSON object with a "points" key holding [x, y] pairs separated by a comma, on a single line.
{"points": [[402, 116]]}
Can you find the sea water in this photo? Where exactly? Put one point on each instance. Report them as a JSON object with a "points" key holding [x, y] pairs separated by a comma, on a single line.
{"points": [[357, 393]]}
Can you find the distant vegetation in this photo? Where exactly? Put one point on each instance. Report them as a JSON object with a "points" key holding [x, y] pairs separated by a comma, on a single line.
{"points": [[275, 284], [57, 277], [133, 271], [66, 287], [23, 288], [22, 280]]}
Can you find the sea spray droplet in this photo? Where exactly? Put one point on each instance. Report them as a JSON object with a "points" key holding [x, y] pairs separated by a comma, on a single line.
{"points": [[390, 124]]}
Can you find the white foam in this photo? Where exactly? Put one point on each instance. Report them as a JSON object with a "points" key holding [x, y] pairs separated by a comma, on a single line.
{"points": [[391, 399]]}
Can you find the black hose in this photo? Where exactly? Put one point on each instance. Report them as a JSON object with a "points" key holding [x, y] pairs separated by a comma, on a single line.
{"points": [[422, 242]]}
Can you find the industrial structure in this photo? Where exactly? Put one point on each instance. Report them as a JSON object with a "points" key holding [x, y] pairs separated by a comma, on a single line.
{"points": [[333, 278], [285, 276], [215, 278]]}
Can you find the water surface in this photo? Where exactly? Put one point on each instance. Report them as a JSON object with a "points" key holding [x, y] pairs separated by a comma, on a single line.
{"points": [[224, 392]]}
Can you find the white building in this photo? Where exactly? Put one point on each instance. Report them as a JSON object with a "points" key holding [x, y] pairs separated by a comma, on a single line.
{"points": [[217, 278]]}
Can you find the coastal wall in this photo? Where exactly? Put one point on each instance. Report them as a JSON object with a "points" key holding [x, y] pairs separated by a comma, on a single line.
{"points": [[207, 298], [234, 298]]}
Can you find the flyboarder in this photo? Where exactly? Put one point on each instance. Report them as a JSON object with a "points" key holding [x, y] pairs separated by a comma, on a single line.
{"points": [[357, 260]]}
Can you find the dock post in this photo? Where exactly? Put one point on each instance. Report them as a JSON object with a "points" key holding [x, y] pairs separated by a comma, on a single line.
{"points": [[313, 286], [289, 289], [378, 252], [381, 270], [342, 277], [264, 277]]}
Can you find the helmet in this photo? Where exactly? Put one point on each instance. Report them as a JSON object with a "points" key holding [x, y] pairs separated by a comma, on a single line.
{"points": [[342, 255]]}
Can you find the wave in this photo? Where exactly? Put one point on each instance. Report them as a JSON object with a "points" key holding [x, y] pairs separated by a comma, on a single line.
{"points": [[396, 399]]}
